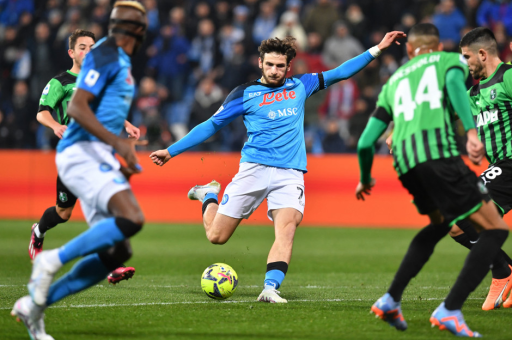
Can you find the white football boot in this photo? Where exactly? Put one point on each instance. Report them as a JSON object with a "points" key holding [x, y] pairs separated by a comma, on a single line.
{"points": [[32, 316], [270, 294], [43, 271], [199, 191]]}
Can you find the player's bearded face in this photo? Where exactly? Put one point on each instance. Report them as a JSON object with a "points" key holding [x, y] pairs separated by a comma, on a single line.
{"points": [[82, 47], [274, 68], [475, 65]]}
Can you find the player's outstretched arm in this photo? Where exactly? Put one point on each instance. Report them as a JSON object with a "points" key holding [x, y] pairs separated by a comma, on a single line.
{"points": [[356, 64], [79, 110], [365, 150]]}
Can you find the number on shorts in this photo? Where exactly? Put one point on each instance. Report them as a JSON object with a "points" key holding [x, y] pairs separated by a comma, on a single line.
{"points": [[492, 172]]}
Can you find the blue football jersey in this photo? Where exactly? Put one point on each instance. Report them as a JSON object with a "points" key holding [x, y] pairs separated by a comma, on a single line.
{"points": [[274, 118], [106, 73]]}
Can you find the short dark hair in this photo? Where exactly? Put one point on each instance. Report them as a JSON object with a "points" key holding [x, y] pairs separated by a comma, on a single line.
{"points": [[77, 34], [480, 35], [285, 47], [424, 29]]}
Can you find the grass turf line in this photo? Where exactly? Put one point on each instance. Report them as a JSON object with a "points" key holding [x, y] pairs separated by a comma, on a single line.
{"points": [[334, 277]]}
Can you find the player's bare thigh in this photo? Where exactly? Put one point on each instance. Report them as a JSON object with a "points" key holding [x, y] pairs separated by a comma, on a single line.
{"points": [[222, 227]]}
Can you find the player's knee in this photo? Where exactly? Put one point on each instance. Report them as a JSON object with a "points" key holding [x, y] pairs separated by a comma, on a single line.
{"points": [[216, 238], [64, 213]]}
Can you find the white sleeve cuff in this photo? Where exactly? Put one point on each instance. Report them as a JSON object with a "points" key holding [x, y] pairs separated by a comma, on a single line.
{"points": [[375, 51]]}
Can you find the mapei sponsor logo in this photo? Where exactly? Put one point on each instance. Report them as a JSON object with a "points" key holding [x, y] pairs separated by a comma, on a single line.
{"points": [[291, 111], [273, 97], [487, 117]]}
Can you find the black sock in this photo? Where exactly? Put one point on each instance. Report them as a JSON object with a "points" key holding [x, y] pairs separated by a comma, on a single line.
{"points": [[49, 220], [500, 266], [476, 266], [208, 201], [420, 249]]}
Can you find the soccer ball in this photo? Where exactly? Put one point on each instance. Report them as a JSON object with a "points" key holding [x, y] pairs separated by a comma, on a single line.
{"points": [[219, 281]]}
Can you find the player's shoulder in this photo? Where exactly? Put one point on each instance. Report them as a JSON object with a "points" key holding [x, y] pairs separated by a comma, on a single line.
{"points": [[104, 53], [64, 78], [238, 92]]}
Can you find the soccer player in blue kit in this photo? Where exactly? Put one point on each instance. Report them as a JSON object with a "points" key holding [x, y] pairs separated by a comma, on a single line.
{"points": [[274, 157], [87, 166]]}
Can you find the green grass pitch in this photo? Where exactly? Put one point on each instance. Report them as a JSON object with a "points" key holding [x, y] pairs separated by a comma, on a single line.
{"points": [[334, 277]]}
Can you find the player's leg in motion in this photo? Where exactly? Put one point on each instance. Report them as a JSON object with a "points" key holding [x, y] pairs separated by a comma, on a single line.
{"points": [[60, 213], [218, 227], [388, 307], [286, 221], [104, 247], [465, 234], [481, 256]]}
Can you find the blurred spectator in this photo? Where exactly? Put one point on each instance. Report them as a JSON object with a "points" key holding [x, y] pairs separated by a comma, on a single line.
{"points": [[169, 60], [24, 112], [201, 11], [147, 112], [7, 130], [357, 122], [312, 56], [356, 22], [321, 18], [229, 35], [153, 16], [222, 13], [491, 12], [264, 23], [242, 23], [450, 21], [388, 67], [340, 104], [12, 10], [290, 26], [341, 46], [203, 51], [207, 100], [470, 9], [294, 6], [42, 60], [235, 71], [177, 20], [333, 143]]}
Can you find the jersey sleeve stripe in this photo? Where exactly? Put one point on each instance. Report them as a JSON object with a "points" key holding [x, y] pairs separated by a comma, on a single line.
{"points": [[414, 149], [321, 81], [502, 130], [45, 108], [381, 114]]}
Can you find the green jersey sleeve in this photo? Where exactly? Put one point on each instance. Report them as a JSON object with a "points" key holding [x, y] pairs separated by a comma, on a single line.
{"points": [[455, 60], [507, 82], [52, 95], [384, 111]]}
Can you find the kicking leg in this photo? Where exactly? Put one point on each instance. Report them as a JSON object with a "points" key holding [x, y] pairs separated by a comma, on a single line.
{"points": [[286, 221]]}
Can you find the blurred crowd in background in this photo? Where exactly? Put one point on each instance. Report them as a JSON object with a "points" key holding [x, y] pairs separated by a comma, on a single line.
{"points": [[196, 52]]}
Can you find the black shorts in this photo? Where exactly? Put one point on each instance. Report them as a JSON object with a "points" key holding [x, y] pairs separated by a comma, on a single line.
{"points": [[447, 185], [65, 199], [498, 180]]}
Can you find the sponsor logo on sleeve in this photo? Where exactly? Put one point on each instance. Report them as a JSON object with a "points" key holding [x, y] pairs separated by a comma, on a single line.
{"points": [[46, 89], [91, 78]]}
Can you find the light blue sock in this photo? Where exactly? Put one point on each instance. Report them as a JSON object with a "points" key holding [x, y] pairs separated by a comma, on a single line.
{"points": [[85, 273], [102, 235], [210, 195], [274, 278]]}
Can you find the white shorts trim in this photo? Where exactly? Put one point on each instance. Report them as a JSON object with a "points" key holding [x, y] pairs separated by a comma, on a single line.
{"points": [[91, 171], [283, 188]]}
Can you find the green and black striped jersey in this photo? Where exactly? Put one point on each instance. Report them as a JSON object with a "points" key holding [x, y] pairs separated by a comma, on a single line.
{"points": [[491, 105], [57, 94], [415, 99]]}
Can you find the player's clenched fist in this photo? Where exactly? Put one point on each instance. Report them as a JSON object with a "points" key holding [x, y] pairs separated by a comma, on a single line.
{"points": [[160, 157]]}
